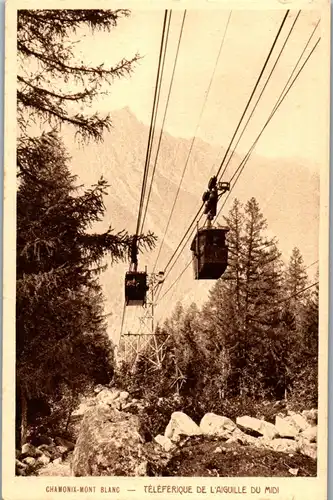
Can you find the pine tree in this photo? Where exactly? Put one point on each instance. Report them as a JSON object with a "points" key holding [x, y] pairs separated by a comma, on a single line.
{"points": [[241, 304], [305, 359], [48, 66], [60, 329], [296, 280]]}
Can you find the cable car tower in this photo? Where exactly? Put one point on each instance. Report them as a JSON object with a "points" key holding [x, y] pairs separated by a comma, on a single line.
{"points": [[209, 248], [134, 343]]}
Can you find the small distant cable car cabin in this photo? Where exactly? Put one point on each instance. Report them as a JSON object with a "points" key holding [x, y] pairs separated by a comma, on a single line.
{"points": [[135, 288], [210, 253]]}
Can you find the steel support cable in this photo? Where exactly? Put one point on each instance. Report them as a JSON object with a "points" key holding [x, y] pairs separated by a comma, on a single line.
{"points": [[148, 153], [164, 117], [193, 139], [257, 318], [247, 156], [240, 121], [254, 90], [263, 89], [297, 293], [281, 98], [310, 265], [155, 118], [145, 174], [177, 279], [261, 93], [285, 89]]}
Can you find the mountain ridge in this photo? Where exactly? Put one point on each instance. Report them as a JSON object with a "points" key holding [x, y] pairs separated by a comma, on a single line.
{"points": [[287, 192]]}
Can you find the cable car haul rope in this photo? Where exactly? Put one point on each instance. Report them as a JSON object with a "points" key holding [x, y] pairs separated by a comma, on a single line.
{"points": [[209, 242]]}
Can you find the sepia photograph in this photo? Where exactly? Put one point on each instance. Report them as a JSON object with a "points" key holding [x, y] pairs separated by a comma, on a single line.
{"points": [[167, 250]]}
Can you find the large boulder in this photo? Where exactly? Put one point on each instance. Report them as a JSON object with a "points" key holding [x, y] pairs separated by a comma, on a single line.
{"points": [[216, 425], [28, 450], [179, 425], [311, 416], [286, 428], [298, 421], [284, 445], [239, 436], [310, 434], [258, 427], [164, 442], [308, 449], [109, 444]]}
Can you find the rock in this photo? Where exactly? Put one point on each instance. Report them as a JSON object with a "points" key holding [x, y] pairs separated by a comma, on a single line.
{"points": [[216, 425], [21, 472], [109, 444], [220, 450], [98, 388], [308, 449], [20, 465], [233, 440], [28, 450], [280, 444], [281, 415], [310, 434], [311, 416], [43, 459], [132, 407], [141, 469], [298, 421], [123, 396], [47, 450], [64, 443], [17, 454], [57, 461], [285, 427], [260, 427], [29, 461], [81, 410], [181, 425], [165, 442], [62, 450], [107, 396], [242, 438], [293, 472], [117, 404]]}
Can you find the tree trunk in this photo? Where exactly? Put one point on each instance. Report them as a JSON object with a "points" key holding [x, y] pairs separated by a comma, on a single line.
{"points": [[24, 418]]}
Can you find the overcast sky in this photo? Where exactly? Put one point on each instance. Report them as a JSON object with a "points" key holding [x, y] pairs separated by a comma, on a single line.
{"points": [[295, 129]]}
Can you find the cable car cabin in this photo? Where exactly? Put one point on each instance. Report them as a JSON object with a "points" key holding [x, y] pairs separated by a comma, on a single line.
{"points": [[210, 253], [135, 288]]}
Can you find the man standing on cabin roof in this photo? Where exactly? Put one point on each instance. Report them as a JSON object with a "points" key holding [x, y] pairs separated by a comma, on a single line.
{"points": [[210, 198]]}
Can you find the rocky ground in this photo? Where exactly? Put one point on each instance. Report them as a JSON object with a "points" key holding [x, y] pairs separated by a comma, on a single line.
{"points": [[111, 441], [202, 457]]}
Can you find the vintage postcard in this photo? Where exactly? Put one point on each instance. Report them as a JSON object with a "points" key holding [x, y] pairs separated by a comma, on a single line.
{"points": [[166, 250]]}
